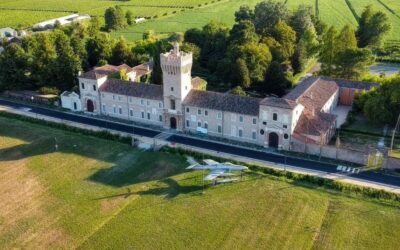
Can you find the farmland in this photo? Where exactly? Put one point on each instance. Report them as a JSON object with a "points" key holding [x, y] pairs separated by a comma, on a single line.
{"points": [[179, 15], [96, 194]]}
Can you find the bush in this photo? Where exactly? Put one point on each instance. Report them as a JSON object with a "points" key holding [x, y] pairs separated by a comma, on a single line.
{"points": [[49, 91]]}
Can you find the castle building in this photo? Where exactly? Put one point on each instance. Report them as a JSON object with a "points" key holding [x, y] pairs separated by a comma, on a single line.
{"points": [[305, 114]]}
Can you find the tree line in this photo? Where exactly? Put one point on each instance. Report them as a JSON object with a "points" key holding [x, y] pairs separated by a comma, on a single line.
{"points": [[53, 60]]}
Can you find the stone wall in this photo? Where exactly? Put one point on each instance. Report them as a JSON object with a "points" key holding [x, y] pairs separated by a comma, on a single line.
{"points": [[392, 163], [331, 152]]}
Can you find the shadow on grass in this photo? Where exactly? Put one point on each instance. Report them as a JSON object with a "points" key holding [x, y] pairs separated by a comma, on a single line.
{"points": [[127, 166], [170, 191]]}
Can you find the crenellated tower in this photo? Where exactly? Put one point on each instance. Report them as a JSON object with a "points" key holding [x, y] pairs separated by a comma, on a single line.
{"points": [[176, 66]]}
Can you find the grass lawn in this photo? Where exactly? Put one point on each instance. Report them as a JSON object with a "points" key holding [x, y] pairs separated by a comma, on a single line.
{"points": [[395, 153], [97, 194]]}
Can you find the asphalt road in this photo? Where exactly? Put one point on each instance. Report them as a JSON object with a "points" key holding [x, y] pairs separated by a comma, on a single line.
{"points": [[378, 178]]}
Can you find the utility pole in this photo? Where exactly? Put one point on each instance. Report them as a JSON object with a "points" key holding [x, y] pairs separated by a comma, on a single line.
{"points": [[396, 127]]}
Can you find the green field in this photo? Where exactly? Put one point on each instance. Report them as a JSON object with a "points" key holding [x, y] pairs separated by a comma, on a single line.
{"points": [[98, 194], [24, 13], [335, 13], [180, 15]]}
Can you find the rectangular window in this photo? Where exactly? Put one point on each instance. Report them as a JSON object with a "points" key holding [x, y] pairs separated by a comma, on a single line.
{"points": [[199, 124], [205, 125], [115, 109], [83, 85], [148, 116], [172, 88], [219, 129], [120, 110], [141, 102], [187, 123], [172, 104], [199, 111], [275, 117], [160, 104], [160, 118], [187, 110], [130, 99], [254, 135], [148, 103], [94, 87], [240, 133], [233, 131], [284, 126], [113, 97], [240, 118], [142, 114], [254, 120], [119, 98], [206, 112], [131, 112], [219, 115]]}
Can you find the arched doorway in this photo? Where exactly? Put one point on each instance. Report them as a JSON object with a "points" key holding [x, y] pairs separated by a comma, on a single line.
{"points": [[172, 123], [89, 106], [273, 140]]}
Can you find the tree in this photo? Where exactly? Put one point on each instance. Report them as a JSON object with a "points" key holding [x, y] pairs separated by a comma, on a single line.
{"points": [[257, 57], [43, 58], [94, 26], [244, 14], [328, 51], [275, 81], [66, 65], [238, 91], [373, 27], [110, 19], [13, 68], [267, 14], [240, 75], [214, 45], [194, 36], [352, 63], [309, 42], [129, 17], [346, 38], [150, 35], [243, 32], [78, 46], [121, 52], [286, 37], [301, 20], [98, 48], [114, 18]]}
